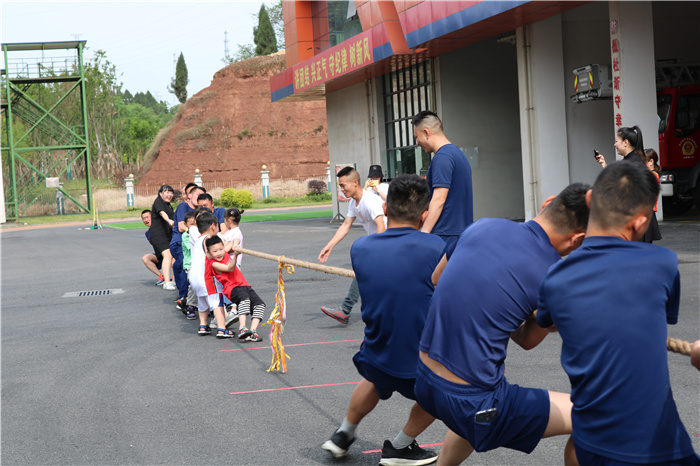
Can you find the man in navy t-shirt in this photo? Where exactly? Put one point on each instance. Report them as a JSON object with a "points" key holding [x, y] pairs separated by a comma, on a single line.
{"points": [[614, 337], [395, 286], [449, 178], [486, 295], [205, 200]]}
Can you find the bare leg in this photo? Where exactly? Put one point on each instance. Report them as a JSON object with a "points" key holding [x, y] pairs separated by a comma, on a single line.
{"points": [[167, 264], [150, 261], [570, 453], [364, 399], [455, 450], [203, 316], [560, 423], [242, 319], [559, 415], [418, 421], [220, 317], [254, 323]]}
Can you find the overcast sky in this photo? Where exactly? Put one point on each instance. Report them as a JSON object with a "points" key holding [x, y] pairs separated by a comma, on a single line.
{"points": [[140, 38]]}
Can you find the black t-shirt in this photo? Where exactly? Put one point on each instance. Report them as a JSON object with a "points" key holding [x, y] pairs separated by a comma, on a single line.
{"points": [[159, 227]]}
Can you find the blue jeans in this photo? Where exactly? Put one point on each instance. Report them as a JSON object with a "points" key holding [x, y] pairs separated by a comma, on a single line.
{"points": [[352, 297], [178, 271]]}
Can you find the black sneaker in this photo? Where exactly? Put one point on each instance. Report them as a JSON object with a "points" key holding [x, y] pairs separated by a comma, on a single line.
{"points": [[411, 455], [181, 304], [338, 444]]}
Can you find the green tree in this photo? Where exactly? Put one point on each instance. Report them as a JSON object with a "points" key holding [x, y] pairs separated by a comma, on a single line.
{"points": [[178, 85], [277, 19], [244, 52], [264, 35]]}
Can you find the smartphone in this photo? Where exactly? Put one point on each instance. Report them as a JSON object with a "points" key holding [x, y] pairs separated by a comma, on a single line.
{"points": [[486, 416], [595, 154]]}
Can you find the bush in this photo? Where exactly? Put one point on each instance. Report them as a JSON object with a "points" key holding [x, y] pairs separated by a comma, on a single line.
{"points": [[316, 187], [227, 197], [319, 197], [239, 198], [272, 200]]}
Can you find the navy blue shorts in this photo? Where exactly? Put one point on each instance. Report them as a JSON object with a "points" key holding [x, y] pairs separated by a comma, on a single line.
{"points": [[588, 458], [384, 384], [523, 413]]}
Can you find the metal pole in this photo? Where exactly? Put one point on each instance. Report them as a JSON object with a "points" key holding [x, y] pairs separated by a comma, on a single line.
{"points": [[85, 126], [10, 141]]}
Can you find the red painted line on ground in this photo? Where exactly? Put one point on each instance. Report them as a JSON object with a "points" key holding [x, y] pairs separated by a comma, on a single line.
{"points": [[294, 388], [288, 346], [422, 446]]}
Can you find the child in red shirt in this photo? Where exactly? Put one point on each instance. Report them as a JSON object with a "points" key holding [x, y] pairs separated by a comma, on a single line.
{"points": [[222, 267]]}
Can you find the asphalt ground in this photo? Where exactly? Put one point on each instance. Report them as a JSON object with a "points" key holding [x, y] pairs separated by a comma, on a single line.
{"points": [[125, 379]]}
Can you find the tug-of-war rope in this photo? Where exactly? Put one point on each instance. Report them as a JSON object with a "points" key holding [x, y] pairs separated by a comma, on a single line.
{"points": [[278, 316]]}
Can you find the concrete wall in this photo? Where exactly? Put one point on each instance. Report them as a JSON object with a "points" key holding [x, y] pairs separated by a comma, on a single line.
{"points": [[542, 112], [347, 114], [589, 125], [478, 92]]}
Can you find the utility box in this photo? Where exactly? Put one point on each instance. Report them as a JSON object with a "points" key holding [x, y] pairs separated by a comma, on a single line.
{"points": [[592, 82]]}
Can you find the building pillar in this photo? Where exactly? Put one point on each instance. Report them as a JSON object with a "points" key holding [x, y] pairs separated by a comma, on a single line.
{"points": [[633, 66], [265, 178], [129, 182], [543, 134], [60, 205], [197, 177]]}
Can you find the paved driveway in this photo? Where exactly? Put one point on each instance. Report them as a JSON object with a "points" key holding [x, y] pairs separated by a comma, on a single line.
{"points": [[124, 378]]}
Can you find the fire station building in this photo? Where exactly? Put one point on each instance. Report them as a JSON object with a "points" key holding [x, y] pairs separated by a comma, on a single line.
{"points": [[527, 89]]}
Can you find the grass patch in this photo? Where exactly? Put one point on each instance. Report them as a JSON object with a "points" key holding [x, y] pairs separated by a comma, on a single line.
{"points": [[285, 216], [245, 219], [121, 214], [195, 132], [272, 202], [78, 217]]}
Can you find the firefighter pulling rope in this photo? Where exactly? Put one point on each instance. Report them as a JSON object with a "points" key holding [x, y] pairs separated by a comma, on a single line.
{"points": [[279, 314]]}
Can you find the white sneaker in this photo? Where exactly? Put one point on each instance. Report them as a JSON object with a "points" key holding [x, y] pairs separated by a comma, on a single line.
{"points": [[231, 317], [170, 286]]}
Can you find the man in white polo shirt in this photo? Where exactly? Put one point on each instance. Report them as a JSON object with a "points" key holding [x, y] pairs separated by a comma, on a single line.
{"points": [[369, 210]]}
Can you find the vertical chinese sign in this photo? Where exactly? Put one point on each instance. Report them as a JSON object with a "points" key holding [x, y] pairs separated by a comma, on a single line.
{"points": [[615, 53]]}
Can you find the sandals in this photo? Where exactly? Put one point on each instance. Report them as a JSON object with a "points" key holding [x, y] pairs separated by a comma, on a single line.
{"points": [[244, 332], [224, 333], [204, 330], [253, 337]]}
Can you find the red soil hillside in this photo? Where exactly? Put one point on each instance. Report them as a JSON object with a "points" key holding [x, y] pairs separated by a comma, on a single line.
{"points": [[230, 129]]}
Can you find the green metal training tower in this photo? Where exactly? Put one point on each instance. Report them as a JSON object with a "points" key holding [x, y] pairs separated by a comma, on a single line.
{"points": [[45, 121]]}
